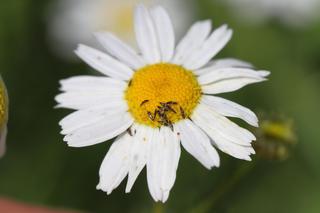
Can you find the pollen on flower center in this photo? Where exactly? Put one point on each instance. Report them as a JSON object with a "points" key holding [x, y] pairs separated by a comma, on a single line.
{"points": [[162, 94]]}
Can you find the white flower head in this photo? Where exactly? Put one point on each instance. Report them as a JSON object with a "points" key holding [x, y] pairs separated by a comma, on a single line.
{"points": [[157, 98], [3, 116], [294, 13], [73, 21]]}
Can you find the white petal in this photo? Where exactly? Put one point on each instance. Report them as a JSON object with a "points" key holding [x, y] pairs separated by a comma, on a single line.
{"points": [[138, 154], [229, 85], [100, 131], [230, 62], [92, 83], [115, 165], [264, 73], [194, 38], [88, 99], [163, 159], [82, 118], [152, 172], [120, 50], [230, 109], [203, 118], [226, 127], [104, 63], [222, 63], [197, 143], [218, 39], [164, 31], [229, 73], [146, 35]]}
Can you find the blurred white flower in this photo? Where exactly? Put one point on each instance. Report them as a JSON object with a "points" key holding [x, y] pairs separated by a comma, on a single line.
{"points": [[74, 21], [3, 116], [294, 13]]}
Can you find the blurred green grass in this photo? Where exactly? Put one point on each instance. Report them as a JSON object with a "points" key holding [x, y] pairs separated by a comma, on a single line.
{"points": [[39, 168]]}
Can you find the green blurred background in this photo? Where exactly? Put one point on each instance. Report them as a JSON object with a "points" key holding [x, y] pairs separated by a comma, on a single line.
{"points": [[40, 169]]}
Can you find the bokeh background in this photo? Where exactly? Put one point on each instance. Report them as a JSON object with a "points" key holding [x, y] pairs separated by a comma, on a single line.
{"points": [[40, 169]]}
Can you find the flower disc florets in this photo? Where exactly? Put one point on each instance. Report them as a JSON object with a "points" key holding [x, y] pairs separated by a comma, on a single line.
{"points": [[162, 94]]}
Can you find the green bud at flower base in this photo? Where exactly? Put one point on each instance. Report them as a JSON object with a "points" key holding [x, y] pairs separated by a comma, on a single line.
{"points": [[3, 116], [275, 138]]}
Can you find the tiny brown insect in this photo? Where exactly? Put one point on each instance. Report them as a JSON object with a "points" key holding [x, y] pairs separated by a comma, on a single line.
{"points": [[155, 114], [162, 118], [183, 114], [170, 125], [166, 106], [161, 111], [130, 82], [144, 102], [171, 109], [166, 122], [150, 116], [172, 103]]}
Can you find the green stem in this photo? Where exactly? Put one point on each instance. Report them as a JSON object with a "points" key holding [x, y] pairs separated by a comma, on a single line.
{"points": [[158, 208], [209, 202]]}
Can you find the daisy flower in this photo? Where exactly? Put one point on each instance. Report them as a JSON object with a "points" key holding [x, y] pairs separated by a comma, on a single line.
{"points": [[294, 13], [3, 116], [74, 21], [156, 99]]}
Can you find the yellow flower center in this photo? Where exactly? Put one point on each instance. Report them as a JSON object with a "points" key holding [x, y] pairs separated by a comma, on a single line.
{"points": [[162, 94]]}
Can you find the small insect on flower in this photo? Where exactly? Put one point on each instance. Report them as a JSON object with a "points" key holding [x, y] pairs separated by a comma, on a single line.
{"points": [[4, 108], [172, 103], [143, 102], [159, 118], [151, 117], [167, 107]]}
